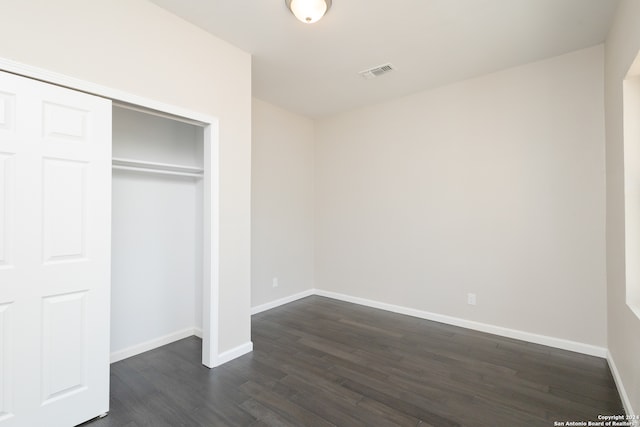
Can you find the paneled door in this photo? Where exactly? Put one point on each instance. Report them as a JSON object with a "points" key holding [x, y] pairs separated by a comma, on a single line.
{"points": [[55, 202]]}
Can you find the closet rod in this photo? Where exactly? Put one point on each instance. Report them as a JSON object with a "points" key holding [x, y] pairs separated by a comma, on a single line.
{"points": [[158, 171]]}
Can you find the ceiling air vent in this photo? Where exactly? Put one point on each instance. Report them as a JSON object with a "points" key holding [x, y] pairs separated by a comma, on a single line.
{"points": [[377, 71]]}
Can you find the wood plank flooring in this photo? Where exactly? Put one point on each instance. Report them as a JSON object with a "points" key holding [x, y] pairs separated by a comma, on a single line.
{"points": [[321, 362]]}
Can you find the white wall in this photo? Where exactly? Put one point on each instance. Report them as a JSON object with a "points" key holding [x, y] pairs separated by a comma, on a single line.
{"points": [[622, 47], [493, 186], [155, 245], [137, 47], [282, 203], [138, 135]]}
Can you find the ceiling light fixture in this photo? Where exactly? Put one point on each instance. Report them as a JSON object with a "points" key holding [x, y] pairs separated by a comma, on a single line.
{"points": [[308, 11]]}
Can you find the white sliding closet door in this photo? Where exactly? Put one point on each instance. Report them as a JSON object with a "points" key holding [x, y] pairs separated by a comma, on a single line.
{"points": [[55, 201]]}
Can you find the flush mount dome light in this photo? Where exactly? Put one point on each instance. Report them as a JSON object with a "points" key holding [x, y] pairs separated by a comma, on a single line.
{"points": [[308, 11]]}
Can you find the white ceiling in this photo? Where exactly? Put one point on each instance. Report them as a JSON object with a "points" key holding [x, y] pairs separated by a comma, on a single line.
{"points": [[313, 69]]}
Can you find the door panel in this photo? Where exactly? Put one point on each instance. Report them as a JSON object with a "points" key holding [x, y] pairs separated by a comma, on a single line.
{"points": [[64, 345], [64, 122], [64, 201], [55, 204], [7, 202], [7, 113]]}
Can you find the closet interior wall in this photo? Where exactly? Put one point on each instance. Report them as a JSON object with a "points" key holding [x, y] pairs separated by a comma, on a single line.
{"points": [[156, 272]]}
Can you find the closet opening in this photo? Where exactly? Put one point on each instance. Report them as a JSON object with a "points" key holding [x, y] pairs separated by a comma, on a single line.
{"points": [[161, 231]]}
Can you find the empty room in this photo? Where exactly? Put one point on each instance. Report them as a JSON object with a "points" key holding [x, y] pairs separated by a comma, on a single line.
{"points": [[319, 213]]}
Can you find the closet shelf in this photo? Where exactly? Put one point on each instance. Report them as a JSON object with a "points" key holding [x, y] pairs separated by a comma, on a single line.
{"points": [[155, 167]]}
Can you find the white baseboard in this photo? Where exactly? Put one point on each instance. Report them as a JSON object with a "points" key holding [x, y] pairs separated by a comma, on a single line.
{"points": [[578, 347], [227, 356], [220, 359], [134, 350], [450, 320], [247, 347], [281, 301], [626, 402]]}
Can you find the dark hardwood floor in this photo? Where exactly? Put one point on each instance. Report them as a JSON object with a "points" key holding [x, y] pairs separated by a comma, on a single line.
{"points": [[321, 362]]}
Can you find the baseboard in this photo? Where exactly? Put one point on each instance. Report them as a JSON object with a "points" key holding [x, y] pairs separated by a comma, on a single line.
{"points": [[229, 355], [578, 347], [281, 301], [222, 358], [626, 402], [134, 350]]}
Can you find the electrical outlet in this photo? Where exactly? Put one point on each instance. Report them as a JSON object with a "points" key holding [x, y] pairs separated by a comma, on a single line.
{"points": [[275, 282], [471, 299]]}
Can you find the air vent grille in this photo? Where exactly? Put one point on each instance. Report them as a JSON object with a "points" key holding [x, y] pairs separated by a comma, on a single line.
{"points": [[377, 71]]}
